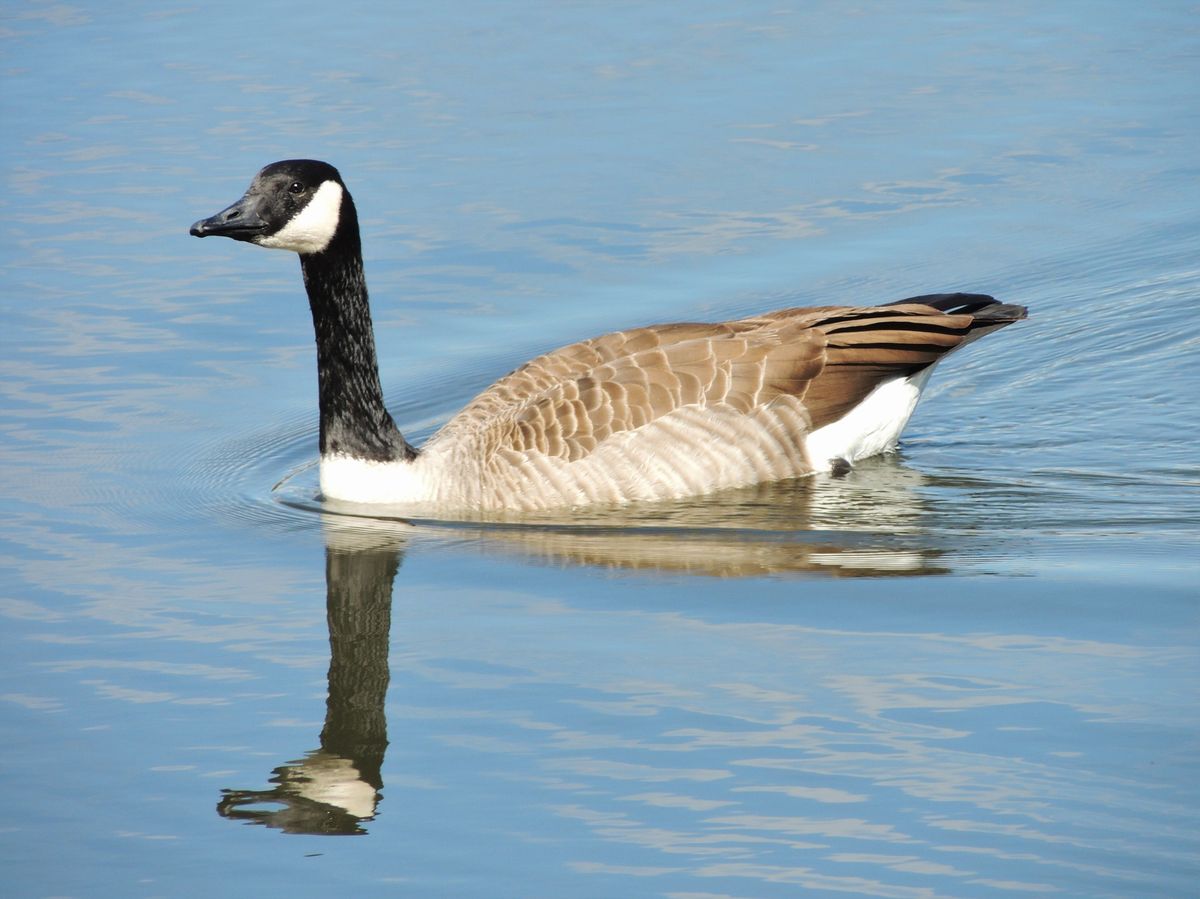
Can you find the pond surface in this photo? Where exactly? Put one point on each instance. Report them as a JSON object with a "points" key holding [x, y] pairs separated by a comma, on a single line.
{"points": [[969, 669]]}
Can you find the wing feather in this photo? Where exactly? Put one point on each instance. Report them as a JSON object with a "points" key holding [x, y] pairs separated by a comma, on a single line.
{"points": [[822, 360]]}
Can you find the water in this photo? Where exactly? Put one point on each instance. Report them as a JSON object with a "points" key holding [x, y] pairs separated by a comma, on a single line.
{"points": [[968, 670]]}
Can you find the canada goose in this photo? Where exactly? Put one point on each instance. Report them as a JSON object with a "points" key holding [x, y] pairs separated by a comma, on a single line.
{"points": [[649, 413]]}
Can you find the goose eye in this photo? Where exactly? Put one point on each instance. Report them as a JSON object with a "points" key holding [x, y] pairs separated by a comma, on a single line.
{"points": [[296, 188]]}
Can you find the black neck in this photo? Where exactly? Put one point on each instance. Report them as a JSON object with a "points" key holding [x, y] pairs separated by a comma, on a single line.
{"points": [[354, 421]]}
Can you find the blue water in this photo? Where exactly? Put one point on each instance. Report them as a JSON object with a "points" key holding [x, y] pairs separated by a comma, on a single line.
{"points": [[969, 669]]}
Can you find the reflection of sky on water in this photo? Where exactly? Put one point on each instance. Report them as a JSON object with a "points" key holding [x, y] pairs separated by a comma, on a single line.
{"points": [[754, 779], [795, 754], [770, 763], [877, 739], [969, 672]]}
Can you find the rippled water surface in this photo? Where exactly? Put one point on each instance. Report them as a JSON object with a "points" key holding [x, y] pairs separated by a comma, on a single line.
{"points": [[969, 669]]}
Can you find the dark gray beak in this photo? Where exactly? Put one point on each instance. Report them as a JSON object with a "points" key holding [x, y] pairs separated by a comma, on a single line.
{"points": [[240, 221]]}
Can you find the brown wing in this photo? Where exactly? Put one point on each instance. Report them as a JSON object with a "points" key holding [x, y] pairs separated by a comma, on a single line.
{"points": [[565, 403], [741, 370]]}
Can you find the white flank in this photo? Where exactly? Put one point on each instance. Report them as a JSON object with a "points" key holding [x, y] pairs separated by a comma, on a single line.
{"points": [[314, 226], [871, 427]]}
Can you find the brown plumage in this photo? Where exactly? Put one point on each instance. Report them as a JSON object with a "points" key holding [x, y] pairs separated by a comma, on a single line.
{"points": [[819, 362]]}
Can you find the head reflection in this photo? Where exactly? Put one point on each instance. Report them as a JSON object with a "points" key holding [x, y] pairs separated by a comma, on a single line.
{"points": [[335, 788]]}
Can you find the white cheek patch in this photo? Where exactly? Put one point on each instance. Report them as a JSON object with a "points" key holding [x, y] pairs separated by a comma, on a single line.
{"points": [[313, 227]]}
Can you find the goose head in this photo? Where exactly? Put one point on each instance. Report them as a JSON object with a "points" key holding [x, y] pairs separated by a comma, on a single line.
{"points": [[296, 204]]}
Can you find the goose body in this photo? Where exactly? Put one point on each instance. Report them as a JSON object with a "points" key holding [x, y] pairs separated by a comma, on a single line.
{"points": [[648, 413]]}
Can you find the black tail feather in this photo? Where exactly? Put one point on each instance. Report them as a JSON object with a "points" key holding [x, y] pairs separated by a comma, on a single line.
{"points": [[988, 313], [954, 303]]}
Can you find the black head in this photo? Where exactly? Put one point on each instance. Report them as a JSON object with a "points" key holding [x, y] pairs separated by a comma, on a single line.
{"points": [[296, 204]]}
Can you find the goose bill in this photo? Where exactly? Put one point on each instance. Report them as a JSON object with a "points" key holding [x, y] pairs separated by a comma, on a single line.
{"points": [[239, 221]]}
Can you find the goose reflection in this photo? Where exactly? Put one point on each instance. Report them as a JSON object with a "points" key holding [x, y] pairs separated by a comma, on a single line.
{"points": [[336, 788], [869, 523]]}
